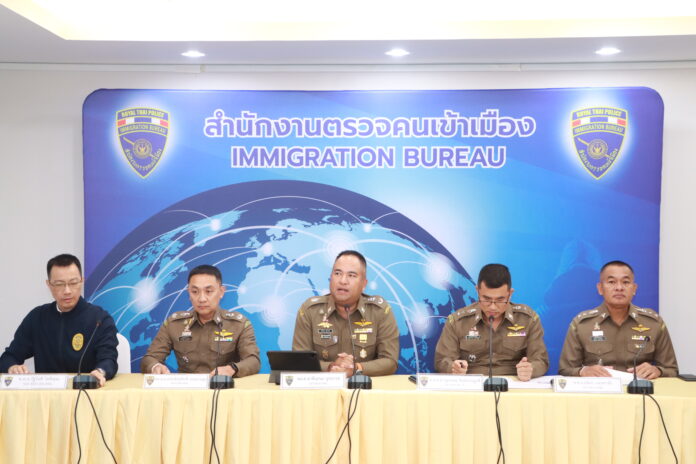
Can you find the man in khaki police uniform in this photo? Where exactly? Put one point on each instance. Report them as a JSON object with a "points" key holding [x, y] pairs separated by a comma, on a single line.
{"points": [[518, 337], [195, 336], [610, 335], [325, 324]]}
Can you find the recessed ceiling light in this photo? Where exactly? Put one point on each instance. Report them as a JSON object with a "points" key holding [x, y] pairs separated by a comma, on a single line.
{"points": [[606, 51], [397, 52], [193, 54]]}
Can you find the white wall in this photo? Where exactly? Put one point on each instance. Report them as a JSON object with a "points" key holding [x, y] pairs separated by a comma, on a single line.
{"points": [[41, 207]]}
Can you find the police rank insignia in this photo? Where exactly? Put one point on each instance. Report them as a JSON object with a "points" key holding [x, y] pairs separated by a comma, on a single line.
{"points": [[77, 341], [142, 133], [598, 133], [362, 323], [640, 328]]}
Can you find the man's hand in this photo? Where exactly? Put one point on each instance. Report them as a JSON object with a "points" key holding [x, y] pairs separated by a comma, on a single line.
{"points": [[524, 370], [343, 363], [224, 370], [18, 369], [160, 368], [96, 373], [646, 371], [595, 371], [459, 366]]}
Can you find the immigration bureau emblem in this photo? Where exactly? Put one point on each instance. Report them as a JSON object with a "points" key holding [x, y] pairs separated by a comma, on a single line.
{"points": [[598, 134], [142, 133]]}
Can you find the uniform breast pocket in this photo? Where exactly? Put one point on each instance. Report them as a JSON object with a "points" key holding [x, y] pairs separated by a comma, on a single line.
{"points": [[472, 346], [596, 350], [635, 345], [514, 344]]}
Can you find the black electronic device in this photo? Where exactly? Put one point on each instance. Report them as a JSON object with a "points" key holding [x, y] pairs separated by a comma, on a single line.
{"points": [[217, 381], [358, 379], [493, 384], [299, 361], [637, 385], [687, 377], [86, 381]]}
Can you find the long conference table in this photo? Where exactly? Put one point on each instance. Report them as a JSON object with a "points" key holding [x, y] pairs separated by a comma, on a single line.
{"points": [[257, 422]]}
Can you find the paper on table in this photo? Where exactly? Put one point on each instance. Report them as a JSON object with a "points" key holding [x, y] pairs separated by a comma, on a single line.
{"points": [[539, 382], [625, 377]]}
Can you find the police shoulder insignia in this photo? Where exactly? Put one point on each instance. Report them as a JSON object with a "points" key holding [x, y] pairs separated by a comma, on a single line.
{"points": [[586, 314], [247, 323], [180, 315], [142, 133], [647, 312], [598, 133]]}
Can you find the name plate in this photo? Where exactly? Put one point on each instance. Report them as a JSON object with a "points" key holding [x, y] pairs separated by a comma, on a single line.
{"points": [[450, 382], [587, 385], [312, 380], [34, 381], [176, 381]]}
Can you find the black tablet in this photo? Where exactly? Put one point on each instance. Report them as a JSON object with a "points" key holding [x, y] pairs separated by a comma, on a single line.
{"points": [[291, 361]]}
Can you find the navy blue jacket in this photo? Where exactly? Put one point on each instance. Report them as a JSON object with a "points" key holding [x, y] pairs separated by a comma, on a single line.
{"points": [[57, 340]]}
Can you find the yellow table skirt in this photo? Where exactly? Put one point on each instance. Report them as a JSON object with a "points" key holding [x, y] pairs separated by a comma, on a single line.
{"points": [[394, 423]]}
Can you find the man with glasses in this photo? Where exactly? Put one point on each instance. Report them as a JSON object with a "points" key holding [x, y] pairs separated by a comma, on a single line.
{"points": [[57, 334], [611, 335], [518, 337]]}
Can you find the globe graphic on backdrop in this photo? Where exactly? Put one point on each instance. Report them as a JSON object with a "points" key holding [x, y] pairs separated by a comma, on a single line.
{"points": [[275, 243]]}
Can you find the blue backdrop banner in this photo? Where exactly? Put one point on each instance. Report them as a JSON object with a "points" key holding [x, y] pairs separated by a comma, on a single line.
{"points": [[428, 185]]}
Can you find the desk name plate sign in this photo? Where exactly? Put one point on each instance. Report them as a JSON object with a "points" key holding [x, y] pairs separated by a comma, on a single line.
{"points": [[587, 385], [312, 380], [34, 381], [176, 381], [450, 382]]}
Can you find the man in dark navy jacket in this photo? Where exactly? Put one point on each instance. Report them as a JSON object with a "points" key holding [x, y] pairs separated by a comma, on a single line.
{"points": [[57, 334]]}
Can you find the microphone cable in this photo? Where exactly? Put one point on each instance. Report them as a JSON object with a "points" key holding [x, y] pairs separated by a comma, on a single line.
{"points": [[213, 425], [496, 395], [355, 394], [101, 432], [664, 426]]}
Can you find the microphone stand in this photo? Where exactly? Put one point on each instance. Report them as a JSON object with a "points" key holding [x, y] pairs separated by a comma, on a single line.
{"points": [[640, 386], [358, 380], [493, 384], [217, 381], [85, 381]]}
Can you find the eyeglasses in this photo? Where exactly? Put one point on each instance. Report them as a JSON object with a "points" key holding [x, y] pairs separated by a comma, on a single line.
{"points": [[489, 302], [72, 285]]}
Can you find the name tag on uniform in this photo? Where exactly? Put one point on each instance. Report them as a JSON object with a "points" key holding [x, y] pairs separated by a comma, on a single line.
{"points": [[473, 335], [517, 334], [34, 381]]}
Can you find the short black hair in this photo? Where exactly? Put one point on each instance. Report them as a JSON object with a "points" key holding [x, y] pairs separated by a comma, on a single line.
{"points": [[206, 269], [357, 254], [63, 260], [495, 276], [616, 262]]}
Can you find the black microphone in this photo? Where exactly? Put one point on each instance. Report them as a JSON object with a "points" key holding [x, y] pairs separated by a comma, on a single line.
{"points": [[640, 385], [81, 380], [493, 384], [220, 382], [358, 380]]}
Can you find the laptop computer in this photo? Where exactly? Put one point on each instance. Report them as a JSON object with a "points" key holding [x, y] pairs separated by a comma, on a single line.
{"points": [[291, 361]]}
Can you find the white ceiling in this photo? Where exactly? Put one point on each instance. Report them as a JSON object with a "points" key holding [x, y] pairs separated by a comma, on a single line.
{"points": [[23, 41]]}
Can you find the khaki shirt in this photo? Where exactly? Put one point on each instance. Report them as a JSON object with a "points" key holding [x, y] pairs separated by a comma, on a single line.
{"points": [[320, 328], [196, 345], [466, 337], [593, 338]]}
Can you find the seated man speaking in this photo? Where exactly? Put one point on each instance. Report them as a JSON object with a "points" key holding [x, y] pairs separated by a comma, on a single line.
{"points": [[326, 324], [197, 335], [58, 334], [518, 337]]}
